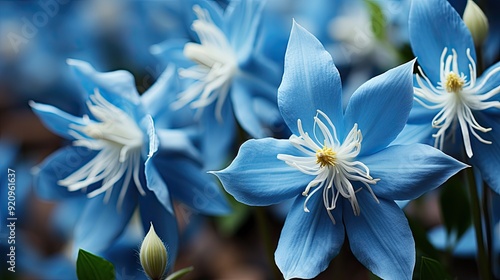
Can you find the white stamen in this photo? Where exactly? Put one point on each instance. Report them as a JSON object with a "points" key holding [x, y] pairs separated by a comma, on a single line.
{"points": [[457, 96], [334, 164], [118, 139], [216, 66]]}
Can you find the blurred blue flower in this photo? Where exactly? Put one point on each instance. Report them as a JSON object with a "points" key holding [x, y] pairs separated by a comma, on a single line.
{"points": [[117, 152], [465, 246], [226, 70], [453, 109], [334, 155], [37, 265]]}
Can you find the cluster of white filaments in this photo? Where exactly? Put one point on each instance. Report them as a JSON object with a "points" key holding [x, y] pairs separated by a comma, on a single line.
{"points": [[216, 64], [334, 164], [457, 96], [119, 141]]}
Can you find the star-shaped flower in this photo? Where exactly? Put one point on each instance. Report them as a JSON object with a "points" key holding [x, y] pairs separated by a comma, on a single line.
{"points": [[339, 166], [454, 109], [121, 160], [226, 69]]}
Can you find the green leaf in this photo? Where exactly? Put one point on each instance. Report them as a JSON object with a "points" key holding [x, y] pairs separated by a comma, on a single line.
{"points": [[430, 269], [92, 267], [377, 19], [180, 273], [455, 209]]}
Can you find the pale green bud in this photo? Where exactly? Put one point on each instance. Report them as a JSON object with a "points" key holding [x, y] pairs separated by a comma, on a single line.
{"points": [[153, 255], [476, 21]]}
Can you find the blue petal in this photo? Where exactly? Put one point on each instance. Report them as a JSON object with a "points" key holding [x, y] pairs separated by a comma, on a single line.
{"points": [[265, 72], [124, 255], [309, 241], [118, 84], [242, 20], [176, 141], [380, 237], [242, 100], [58, 166], [101, 223], [164, 222], [257, 177], [156, 184], [161, 93], [402, 203], [243, 95], [172, 51], [492, 82], [217, 137], [415, 133], [381, 107], [408, 171], [487, 156], [190, 185], [66, 214], [434, 25], [310, 82], [270, 117], [56, 120]]}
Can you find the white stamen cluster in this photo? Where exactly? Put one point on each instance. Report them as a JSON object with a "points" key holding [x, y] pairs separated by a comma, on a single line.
{"points": [[215, 68], [119, 141], [457, 96], [334, 164]]}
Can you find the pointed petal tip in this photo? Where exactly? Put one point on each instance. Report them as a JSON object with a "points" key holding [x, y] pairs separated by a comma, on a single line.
{"points": [[296, 25], [464, 165], [212, 172], [413, 61], [411, 65]]}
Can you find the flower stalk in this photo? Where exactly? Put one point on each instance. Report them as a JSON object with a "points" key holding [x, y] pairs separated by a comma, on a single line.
{"points": [[482, 256]]}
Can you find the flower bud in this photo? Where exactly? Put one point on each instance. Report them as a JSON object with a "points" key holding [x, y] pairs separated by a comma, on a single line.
{"points": [[476, 21], [153, 255]]}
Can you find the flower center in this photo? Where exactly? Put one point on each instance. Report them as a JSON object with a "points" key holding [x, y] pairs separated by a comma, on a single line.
{"points": [[333, 164], [119, 141], [326, 157], [456, 109], [454, 83], [216, 66]]}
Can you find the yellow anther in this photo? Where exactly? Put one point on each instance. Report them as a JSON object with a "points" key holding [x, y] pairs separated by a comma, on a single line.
{"points": [[454, 83], [326, 156]]}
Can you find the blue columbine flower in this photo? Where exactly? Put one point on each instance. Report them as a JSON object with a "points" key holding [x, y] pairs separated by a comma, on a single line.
{"points": [[227, 70], [339, 167], [453, 109], [119, 158]]}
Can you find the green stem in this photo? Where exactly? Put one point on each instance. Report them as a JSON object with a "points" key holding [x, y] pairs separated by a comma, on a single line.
{"points": [[269, 246], [487, 222], [482, 257]]}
